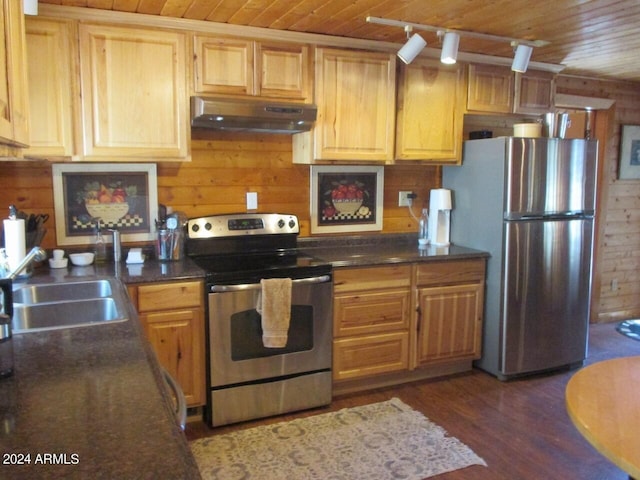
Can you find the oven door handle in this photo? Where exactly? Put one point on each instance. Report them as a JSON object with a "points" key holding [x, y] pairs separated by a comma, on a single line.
{"points": [[256, 286]]}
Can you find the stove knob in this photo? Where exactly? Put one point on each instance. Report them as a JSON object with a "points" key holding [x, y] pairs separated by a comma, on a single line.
{"points": [[292, 223], [280, 223], [207, 226], [195, 227]]}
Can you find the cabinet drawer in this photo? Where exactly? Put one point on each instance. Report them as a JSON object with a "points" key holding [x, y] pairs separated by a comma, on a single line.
{"points": [[370, 355], [169, 296], [451, 272], [370, 278], [371, 312]]}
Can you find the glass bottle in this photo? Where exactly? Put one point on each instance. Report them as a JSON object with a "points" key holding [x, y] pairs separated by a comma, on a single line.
{"points": [[423, 234], [99, 246]]}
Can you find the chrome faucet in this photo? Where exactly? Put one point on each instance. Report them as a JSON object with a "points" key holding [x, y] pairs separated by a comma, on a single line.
{"points": [[36, 254]]}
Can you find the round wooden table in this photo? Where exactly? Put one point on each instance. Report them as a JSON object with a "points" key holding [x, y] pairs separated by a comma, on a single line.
{"points": [[603, 401]]}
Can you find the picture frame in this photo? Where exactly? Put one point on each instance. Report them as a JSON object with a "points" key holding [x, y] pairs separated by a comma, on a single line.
{"points": [[629, 153], [346, 198], [123, 196]]}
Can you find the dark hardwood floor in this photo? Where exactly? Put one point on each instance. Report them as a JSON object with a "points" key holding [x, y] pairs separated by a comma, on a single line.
{"points": [[520, 428]]}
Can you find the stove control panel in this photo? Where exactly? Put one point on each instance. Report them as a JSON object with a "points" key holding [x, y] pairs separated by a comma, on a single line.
{"points": [[241, 224]]}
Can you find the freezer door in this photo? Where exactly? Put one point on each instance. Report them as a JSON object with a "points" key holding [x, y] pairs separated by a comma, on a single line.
{"points": [[549, 175], [546, 294]]}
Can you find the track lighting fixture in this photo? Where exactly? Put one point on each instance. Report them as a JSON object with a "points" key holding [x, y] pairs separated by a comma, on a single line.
{"points": [[450, 43], [412, 48], [451, 39], [521, 58]]}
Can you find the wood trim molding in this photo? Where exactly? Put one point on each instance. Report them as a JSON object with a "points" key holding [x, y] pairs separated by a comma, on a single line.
{"points": [[579, 102], [215, 28]]}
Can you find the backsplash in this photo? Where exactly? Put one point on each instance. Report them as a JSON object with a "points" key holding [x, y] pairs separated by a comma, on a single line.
{"points": [[223, 169]]}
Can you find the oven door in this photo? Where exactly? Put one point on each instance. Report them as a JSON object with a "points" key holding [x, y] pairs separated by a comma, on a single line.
{"points": [[236, 352]]}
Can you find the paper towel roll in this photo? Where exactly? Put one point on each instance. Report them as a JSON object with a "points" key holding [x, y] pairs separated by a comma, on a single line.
{"points": [[14, 241]]}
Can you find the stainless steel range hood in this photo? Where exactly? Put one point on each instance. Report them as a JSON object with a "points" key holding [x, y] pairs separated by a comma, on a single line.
{"points": [[243, 115]]}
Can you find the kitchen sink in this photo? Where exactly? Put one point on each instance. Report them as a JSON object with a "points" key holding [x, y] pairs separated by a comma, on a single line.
{"points": [[59, 292], [53, 306], [56, 315]]}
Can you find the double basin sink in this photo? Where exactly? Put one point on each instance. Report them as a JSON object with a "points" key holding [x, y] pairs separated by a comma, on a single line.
{"points": [[52, 306]]}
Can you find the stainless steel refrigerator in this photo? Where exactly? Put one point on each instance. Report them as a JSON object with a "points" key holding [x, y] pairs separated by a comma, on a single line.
{"points": [[530, 203]]}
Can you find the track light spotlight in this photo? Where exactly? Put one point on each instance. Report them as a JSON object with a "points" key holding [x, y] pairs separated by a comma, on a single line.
{"points": [[412, 48], [450, 43], [521, 58]]}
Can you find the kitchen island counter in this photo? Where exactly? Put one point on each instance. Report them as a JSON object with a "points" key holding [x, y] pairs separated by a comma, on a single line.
{"points": [[89, 402]]}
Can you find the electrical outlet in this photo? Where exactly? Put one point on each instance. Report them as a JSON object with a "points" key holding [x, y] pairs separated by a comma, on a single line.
{"points": [[614, 284], [403, 198]]}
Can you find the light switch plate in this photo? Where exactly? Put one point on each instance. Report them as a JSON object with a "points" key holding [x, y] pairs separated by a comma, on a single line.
{"points": [[252, 200]]}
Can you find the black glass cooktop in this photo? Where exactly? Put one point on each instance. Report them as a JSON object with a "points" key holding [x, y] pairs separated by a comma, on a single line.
{"points": [[252, 267]]}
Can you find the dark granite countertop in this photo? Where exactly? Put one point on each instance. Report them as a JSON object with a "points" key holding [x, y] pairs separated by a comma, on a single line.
{"points": [[94, 397], [360, 251]]}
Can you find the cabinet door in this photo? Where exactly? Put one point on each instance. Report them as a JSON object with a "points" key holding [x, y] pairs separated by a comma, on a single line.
{"points": [[282, 71], [176, 337], [431, 103], [224, 65], [355, 93], [134, 100], [368, 355], [52, 62], [449, 323], [535, 92], [367, 313], [14, 107], [490, 89]]}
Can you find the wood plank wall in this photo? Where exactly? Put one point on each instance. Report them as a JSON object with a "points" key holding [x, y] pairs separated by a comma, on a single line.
{"points": [[224, 169], [620, 242]]}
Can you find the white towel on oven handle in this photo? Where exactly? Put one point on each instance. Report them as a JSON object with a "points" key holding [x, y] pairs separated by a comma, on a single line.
{"points": [[274, 306]]}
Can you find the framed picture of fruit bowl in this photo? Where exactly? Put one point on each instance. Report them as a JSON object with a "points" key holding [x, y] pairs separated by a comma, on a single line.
{"points": [[114, 196], [346, 198]]}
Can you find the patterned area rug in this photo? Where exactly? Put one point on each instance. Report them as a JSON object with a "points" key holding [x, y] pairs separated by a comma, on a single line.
{"points": [[630, 328], [387, 440]]}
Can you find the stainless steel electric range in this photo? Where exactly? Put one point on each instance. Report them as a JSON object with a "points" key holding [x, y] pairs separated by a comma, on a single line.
{"points": [[247, 380]]}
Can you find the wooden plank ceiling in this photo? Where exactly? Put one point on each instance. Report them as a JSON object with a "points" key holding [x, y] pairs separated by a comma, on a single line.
{"points": [[595, 38]]}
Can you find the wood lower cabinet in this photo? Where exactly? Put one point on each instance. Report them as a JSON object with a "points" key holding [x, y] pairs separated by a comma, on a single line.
{"points": [[172, 315], [371, 321], [450, 299]]}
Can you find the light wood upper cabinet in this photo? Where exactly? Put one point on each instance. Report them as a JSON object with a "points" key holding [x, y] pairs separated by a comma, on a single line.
{"points": [[490, 89], [431, 105], [355, 94], [534, 92], [496, 89], [232, 66], [134, 93], [53, 87], [14, 105]]}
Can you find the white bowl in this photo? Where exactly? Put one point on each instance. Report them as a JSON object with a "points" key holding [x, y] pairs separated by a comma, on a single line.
{"points": [[82, 259], [61, 263]]}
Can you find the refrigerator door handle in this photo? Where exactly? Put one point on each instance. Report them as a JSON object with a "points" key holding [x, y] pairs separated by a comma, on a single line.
{"points": [[548, 216]]}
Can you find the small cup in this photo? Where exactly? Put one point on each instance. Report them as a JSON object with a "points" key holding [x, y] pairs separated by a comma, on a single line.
{"points": [[58, 254]]}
